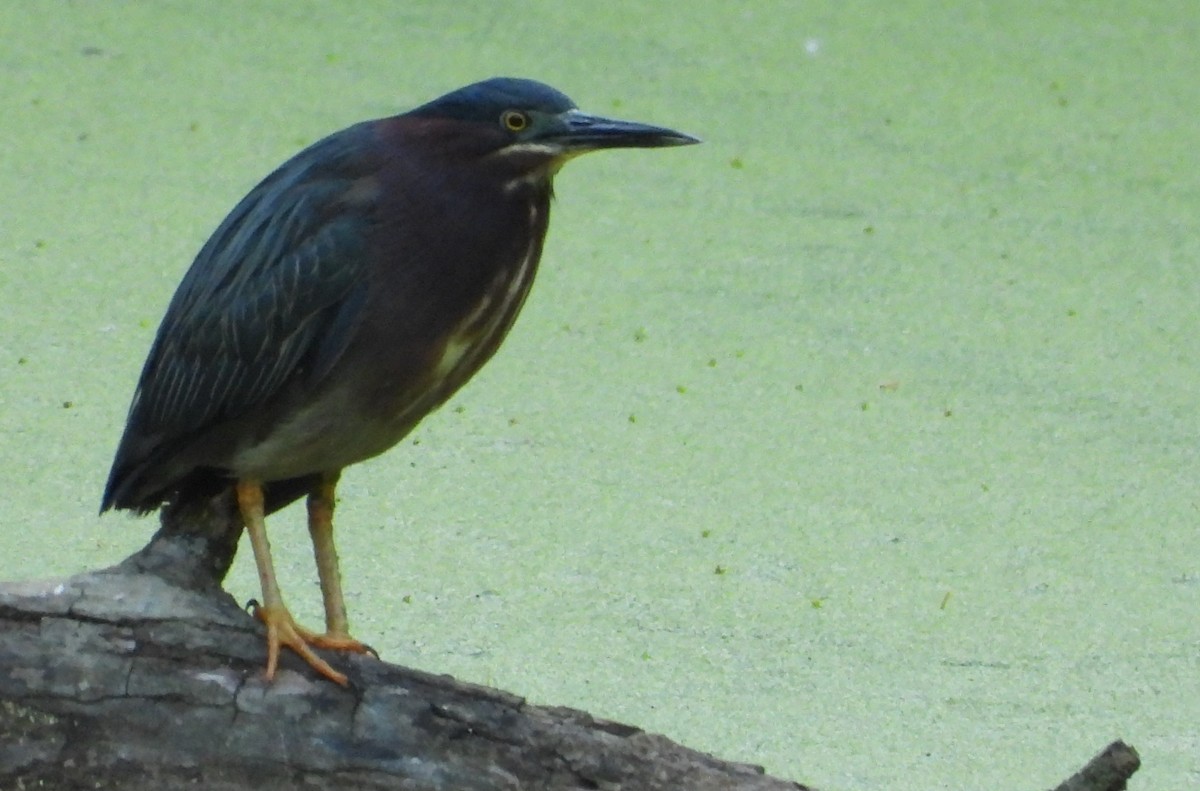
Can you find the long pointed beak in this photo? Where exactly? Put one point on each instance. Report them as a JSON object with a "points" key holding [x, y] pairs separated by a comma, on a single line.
{"points": [[582, 132]]}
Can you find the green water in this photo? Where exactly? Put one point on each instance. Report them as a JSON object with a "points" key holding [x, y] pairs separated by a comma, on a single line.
{"points": [[859, 442]]}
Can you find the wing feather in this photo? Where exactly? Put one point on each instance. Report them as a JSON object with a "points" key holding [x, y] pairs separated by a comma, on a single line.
{"points": [[274, 294]]}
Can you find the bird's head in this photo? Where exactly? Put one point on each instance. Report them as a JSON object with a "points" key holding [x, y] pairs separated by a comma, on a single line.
{"points": [[535, 128]]}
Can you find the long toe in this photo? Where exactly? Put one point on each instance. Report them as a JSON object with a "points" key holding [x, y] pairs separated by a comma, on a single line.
{"points": [[282, 629], [335, 641]]}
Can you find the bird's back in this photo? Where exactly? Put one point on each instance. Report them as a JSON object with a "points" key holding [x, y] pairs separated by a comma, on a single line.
{"points": [[271, 296]]}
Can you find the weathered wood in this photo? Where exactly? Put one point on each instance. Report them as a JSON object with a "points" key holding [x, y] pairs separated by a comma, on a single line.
{"points": [[1110, 770], [118, 680], [149, 676]]}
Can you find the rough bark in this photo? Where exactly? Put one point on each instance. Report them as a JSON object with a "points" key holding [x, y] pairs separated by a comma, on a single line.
{"points": [[148, 676], [1108, 771]]}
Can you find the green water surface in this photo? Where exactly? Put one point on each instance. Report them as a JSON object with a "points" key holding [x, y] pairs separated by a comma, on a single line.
{"points": [[859, 442]]}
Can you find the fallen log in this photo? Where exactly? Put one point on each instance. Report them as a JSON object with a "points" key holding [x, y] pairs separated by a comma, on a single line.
{"points": [[148, 676]]}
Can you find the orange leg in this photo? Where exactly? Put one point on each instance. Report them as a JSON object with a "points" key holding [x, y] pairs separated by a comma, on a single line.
{"points": [[320, 528], [281, 628]]}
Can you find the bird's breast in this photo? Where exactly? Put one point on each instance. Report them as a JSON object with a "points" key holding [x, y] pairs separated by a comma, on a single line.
{"points": [[475, 305], [477, 335]]}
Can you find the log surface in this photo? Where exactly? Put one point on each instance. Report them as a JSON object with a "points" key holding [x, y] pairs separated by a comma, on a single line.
{"points": [[117, 680], [149, 676]]}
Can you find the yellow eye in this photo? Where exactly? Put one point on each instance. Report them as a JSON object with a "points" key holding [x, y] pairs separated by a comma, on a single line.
{"points": [[514, 121]]}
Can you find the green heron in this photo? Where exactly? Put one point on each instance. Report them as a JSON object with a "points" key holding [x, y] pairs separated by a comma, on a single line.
{"points": [[344, 298]]}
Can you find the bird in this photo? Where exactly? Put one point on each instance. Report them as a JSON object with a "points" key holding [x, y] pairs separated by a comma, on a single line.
{"points": [[344, 298]]}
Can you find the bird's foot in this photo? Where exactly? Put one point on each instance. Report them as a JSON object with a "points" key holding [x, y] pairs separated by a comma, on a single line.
{"points": [[282, 629]]}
